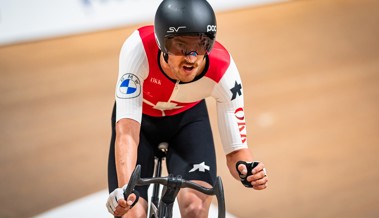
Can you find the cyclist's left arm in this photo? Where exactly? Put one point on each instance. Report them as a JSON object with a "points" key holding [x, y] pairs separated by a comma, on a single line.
{"points": [[232, 126]]}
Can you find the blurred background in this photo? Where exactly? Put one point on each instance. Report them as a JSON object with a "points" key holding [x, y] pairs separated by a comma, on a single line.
{"points": [[310, 73]]}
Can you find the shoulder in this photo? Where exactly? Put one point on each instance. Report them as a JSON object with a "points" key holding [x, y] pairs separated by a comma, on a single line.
{"points": [[133, 57], [219, 52], [141, 36], [141, 42], [146, 31], [219, 61], [147, 36]]}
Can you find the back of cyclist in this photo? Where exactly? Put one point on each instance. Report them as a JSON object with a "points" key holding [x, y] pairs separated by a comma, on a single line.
{"points": [[165, 73]]}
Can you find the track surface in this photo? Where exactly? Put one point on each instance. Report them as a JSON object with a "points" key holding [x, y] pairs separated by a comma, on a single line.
{"points": [[311, 82]]}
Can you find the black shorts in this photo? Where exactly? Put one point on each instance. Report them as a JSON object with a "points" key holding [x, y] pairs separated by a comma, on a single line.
{"points": [[191, 152]]}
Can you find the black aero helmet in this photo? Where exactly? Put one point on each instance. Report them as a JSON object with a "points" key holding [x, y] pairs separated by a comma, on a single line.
{"points": [[185, 18]]}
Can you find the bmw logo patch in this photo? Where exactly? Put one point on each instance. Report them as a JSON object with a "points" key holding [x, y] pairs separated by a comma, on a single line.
{"points": [[129, 86]]}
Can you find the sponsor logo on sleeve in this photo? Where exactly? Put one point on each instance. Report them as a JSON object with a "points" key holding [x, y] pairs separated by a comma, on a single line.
{"points": [[240, 116], [236, 90], [129, 86]]}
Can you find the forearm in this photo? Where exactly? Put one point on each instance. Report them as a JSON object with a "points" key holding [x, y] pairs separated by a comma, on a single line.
{"points": [[126, 149], [234, 157]]}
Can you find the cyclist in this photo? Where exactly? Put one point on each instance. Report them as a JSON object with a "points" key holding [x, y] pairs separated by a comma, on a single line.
{"points": [[165, 73]]}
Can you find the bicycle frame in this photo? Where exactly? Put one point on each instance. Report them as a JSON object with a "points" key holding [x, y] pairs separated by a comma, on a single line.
{"points": [[153, 213]]}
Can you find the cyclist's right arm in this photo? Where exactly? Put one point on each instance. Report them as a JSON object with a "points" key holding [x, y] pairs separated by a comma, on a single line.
{"points": [[126, 146], [133, 67]]}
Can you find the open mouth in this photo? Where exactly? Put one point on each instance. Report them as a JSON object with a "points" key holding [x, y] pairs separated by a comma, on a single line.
{"points": [[188, 68]]}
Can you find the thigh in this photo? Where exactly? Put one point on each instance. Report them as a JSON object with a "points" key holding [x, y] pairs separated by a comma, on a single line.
{"points": [[139, 210], [146, 160], [191, 152], [193, 203]]}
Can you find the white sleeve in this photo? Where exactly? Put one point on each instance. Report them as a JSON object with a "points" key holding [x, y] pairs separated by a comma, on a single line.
{"points": [[230, 112], [133, 69]]}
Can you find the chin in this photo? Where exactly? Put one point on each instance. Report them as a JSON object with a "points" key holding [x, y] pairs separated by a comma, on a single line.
{"points": [[187, 79]]}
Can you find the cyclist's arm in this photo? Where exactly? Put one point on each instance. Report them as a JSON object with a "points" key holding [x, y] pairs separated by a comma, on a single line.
{"points": [[133, 69], [229, 97], [231, 120], [126, 145]]}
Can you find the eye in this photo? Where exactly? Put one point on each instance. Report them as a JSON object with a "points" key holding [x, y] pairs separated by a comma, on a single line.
{"points": [[180, 45]]}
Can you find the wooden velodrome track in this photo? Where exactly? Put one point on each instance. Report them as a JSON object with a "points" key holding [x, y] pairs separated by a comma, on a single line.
{"points": [[311, 82]]}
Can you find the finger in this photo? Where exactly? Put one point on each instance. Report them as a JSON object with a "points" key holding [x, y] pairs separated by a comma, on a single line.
{"points": [[257, 176], [110, 209], [131, 198], [119, 194], [258, 168], [122, 203], [242, 168], [113, 203], [124, 206], [260, 187], [120, 211], [260, 182]]}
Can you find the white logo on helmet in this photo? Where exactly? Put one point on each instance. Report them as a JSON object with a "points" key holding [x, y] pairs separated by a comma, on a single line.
{"points": [[175, 30], [211, 28]]}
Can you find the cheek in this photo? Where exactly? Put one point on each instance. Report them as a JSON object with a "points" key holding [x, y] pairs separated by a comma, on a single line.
{"points": [[175, 60], [200, 59], [174, 64]]}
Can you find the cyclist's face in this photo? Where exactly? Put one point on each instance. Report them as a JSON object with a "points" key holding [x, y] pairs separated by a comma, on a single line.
{"points": [[186, 57], [184, 45]]}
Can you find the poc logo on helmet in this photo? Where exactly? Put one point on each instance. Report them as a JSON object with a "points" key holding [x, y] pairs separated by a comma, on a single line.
{"points": [[211, 28]]}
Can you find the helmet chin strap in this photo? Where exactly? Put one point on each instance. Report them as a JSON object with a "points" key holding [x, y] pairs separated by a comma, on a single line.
{"points": [[165, 57]]}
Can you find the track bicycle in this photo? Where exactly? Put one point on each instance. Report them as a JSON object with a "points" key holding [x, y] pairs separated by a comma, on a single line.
{"points": [[163, 207]]}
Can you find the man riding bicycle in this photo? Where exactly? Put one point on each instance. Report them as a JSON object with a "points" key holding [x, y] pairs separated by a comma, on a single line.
{"points": [[165, 73]]}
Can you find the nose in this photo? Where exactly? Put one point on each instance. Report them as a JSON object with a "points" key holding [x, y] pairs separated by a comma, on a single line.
{"points": [[191, 56], [192, 53]]}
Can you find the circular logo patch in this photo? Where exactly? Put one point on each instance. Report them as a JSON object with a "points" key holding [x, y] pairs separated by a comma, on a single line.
{"points": [[129, 86]]}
